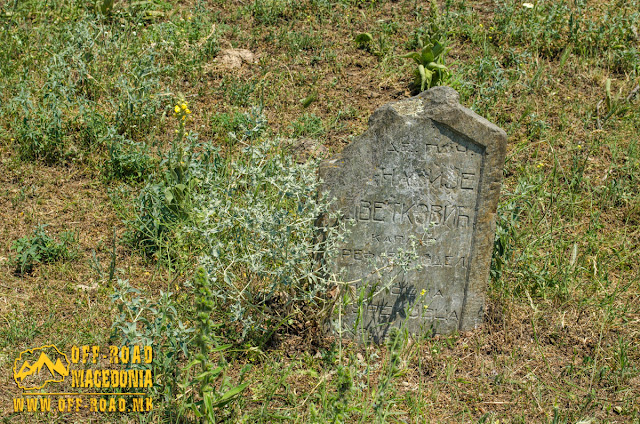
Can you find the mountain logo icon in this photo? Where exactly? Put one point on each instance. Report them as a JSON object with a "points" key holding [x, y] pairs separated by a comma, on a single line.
{"points": [[28, 371]]}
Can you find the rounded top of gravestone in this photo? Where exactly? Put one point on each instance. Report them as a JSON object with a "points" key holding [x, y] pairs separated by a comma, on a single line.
{"points": [[441, 104]]}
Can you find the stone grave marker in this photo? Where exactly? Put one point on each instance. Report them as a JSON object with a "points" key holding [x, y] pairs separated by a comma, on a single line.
{"points": [[420, 186]]}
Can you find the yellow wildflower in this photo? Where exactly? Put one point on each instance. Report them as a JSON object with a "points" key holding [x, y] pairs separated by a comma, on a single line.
{"points": [[177, 109], [183, 106]]}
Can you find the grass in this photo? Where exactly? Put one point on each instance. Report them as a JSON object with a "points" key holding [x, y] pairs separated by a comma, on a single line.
{"points": [[86, 125]]}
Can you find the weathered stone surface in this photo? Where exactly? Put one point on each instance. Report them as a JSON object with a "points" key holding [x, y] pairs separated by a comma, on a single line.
{"points": [[424, 178]]}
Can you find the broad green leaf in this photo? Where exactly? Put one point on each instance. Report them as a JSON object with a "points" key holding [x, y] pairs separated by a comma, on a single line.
{"points": [[221, 348], [434, 65], [423, 77], [228, 396], [427, 55], [214, 373], [413, 55], [192, 363], [208, 401], [309, 99], [168, 195], [437, 49], [363, 38], [429, 77]]}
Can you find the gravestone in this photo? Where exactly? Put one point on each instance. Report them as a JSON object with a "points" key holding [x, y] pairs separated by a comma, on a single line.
{"points": [[419, 191]]}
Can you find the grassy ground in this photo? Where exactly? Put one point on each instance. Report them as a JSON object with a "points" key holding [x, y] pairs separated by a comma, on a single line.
{"points": [[87, 104]]}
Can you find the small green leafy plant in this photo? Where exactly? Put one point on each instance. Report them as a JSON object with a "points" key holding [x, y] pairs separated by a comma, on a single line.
{"points": [[431, 70], [41, 248], [128, 160], [363, 40], [615, 105]]}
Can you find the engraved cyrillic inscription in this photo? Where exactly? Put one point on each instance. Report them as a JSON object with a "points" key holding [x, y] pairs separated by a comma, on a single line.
{"points": [[418, 190], [450, 178], [417, 213]]}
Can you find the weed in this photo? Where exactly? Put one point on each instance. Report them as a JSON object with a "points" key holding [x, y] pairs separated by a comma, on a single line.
{"points": [[26, 192], [551, 27], [237, 91], [363, 40], [258, 226], [166, 202], [224, 123], [41, 248], [19, 329], [106, 6], [128, 160], [138, 99], [148, 11], [270, 12], [382, 402], [506, 231], [297, 41], [307, 125], [614, 106], [431, 70], [143, 322], [212, 398], [336, 405], [485, 84], [40, 132], [251, 125], [382, 46]]}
